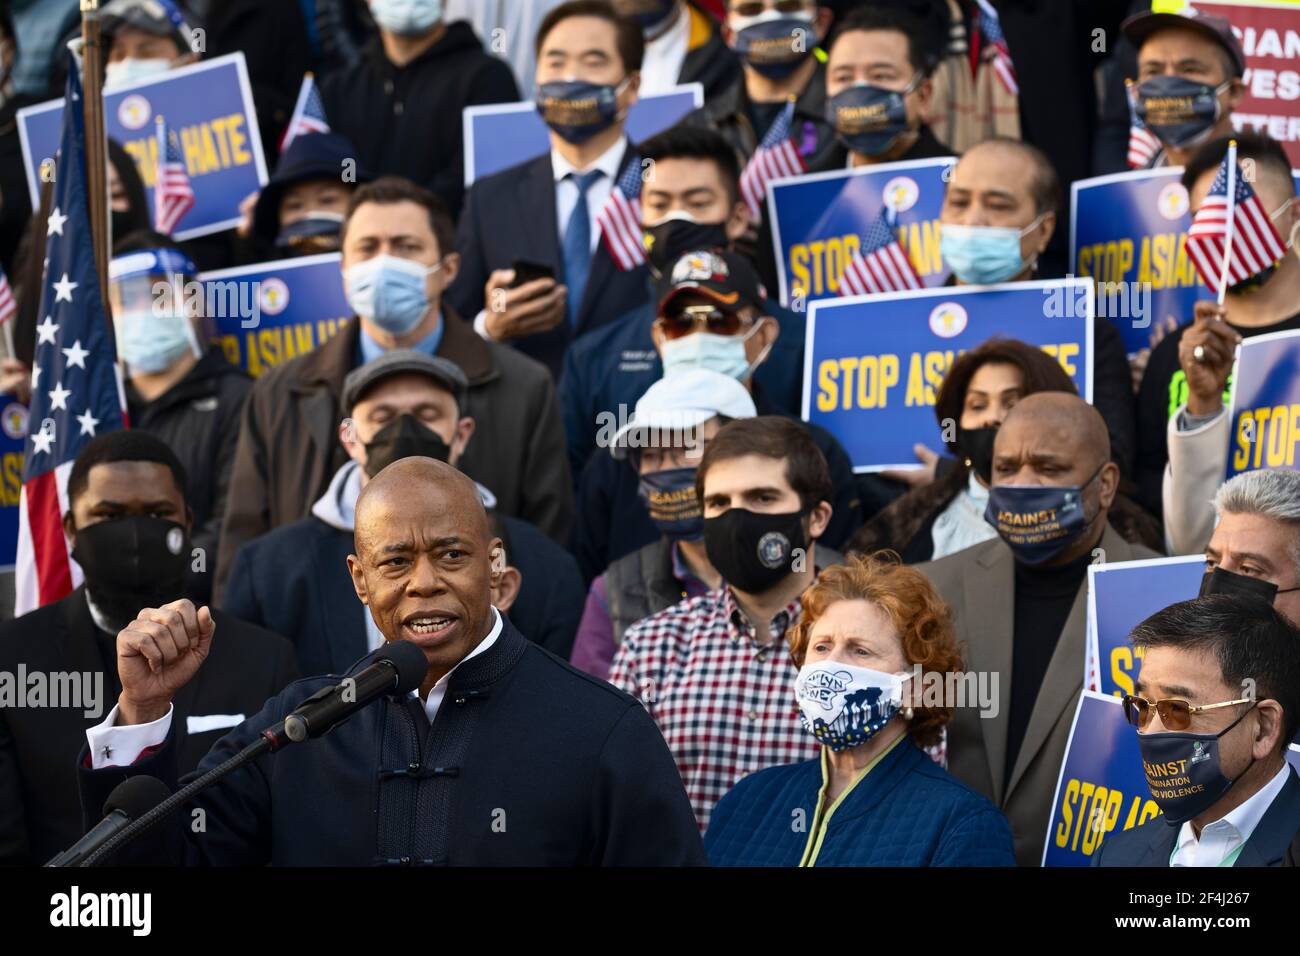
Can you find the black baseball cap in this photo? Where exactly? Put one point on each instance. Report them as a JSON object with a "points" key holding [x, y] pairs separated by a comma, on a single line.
{"points": [[159, 17], [1138, 29], [724, 276]]}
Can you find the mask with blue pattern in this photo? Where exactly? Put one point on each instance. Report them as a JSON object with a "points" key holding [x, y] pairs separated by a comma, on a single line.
{"points": [[844, 705]]}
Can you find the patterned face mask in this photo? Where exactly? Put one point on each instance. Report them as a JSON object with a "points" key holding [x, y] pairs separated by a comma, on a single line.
{"points": [[844, 705]]}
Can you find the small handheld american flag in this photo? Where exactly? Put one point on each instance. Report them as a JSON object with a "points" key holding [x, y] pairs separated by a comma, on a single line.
{"points": [[620, 219], [775, 157], [1231, 237], [991, 29], [881, 264], [308, 113], [1143, 146], [173, 196], [8, 308]]}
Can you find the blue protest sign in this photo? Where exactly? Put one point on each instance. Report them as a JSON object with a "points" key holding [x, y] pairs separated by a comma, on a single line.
{"points": [[13, 435], [1265, 403], [268, 313], [1122, 595], [208, 105], [501, 135], [1127, 231], [818, 220], [873, 364], [1101, 787]]}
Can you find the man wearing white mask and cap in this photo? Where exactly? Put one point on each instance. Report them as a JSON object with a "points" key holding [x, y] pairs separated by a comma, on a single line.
{"points": [[663, 443], [145, 38]]}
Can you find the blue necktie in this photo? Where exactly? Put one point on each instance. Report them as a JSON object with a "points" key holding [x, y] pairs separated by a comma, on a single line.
{"points": [[577, 245]]}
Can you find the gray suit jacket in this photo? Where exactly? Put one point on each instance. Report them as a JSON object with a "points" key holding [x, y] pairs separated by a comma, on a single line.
{"points": [[979, 583]]}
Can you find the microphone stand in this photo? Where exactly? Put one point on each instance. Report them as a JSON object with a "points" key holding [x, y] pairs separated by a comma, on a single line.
{"points": [[268, 741]]}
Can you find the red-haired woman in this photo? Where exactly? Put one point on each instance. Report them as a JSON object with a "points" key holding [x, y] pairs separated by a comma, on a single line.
{"points": [[873, 797]]}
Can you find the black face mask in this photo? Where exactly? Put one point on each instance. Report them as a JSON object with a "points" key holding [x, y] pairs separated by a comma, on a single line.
{"points": [[752, 551], [1220, 581], [976, 445], [132, 562], [671, 238], [403, 437]]}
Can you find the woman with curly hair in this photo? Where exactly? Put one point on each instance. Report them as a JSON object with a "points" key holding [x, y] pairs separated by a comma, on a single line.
{"points": [[873, 797]]}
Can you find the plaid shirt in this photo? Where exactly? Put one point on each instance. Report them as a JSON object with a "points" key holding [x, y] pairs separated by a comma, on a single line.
{"points": [[721, 692]]}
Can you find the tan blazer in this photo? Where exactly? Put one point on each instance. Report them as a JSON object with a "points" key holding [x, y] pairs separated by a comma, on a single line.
{"points": [[979, 583]]}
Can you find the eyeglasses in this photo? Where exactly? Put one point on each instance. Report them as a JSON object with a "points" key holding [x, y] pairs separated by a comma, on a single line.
{"points": [[684, 321], [754, 8], [1174, 714]]}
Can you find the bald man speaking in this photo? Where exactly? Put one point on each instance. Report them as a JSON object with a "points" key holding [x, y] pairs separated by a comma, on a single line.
{"points": [[1019, 602], [506, 755]]}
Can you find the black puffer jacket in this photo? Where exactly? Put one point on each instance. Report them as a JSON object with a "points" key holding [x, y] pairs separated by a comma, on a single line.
{"points": [[198, 418]]}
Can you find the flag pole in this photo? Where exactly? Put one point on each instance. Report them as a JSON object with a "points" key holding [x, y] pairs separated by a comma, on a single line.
{"points": [[92, 78], [1231, 209]]}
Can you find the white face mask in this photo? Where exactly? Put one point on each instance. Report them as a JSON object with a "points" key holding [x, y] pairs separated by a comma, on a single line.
{"points": [[406, 17], [129, 70], [844, 705]]}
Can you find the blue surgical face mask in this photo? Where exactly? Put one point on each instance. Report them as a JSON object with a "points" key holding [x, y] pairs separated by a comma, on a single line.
{"points": [[724, 354], [1038, 522], [150, 343], [577, 110], [388, 291], [1179, 112], [669, 496], [982, 255], [844, 705], [773, 43], [867, 119], [406, 17], [131, 69]]}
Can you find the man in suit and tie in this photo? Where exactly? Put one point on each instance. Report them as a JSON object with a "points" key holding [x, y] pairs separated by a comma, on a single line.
{"points": [[1216, 704], [545, 211], [1019, 603], [130, 527]]}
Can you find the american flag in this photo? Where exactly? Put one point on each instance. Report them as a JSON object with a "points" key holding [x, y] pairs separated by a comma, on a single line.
{"points": [[991, 30], [308, 114], [775, 157], [1232, 218], [620, 219], [173, 196], [8, 308], [881, 264], [76, 393], [1143, 146]]}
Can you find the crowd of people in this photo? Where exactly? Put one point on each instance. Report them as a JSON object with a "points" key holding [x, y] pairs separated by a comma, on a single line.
{"points": [[688, 637]]}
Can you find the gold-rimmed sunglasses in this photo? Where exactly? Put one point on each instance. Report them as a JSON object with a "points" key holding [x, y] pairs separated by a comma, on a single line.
{"points": [[1174, 714]]}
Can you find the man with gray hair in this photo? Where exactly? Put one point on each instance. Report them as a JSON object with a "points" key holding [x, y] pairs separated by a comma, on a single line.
{"points": [[1255, 547]]}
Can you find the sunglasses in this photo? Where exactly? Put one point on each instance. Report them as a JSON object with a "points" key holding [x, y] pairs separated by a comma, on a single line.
{"points": [[680, 322], [1174, 714]]}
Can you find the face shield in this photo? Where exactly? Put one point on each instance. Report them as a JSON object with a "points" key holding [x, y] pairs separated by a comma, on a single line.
{"points": [[146, 291]]}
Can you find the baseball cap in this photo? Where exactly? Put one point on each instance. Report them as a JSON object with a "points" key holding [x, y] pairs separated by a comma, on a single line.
{"points": [[724, 276], [1140, 26], [399, 361], [159, 17], [683, 401]]}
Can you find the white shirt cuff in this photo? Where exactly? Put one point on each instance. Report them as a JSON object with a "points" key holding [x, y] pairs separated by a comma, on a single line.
{"points": [[480, 325], [112, 746]]}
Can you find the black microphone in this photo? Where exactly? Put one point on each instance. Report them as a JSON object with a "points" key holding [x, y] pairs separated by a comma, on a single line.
{"points": [[129, 800], [400, 670]]}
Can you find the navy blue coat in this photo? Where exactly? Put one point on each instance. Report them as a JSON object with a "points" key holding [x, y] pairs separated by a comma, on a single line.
{"points": [[907, 811], [1152, 843], [295, 581], [511, 215], [529, 762]]}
